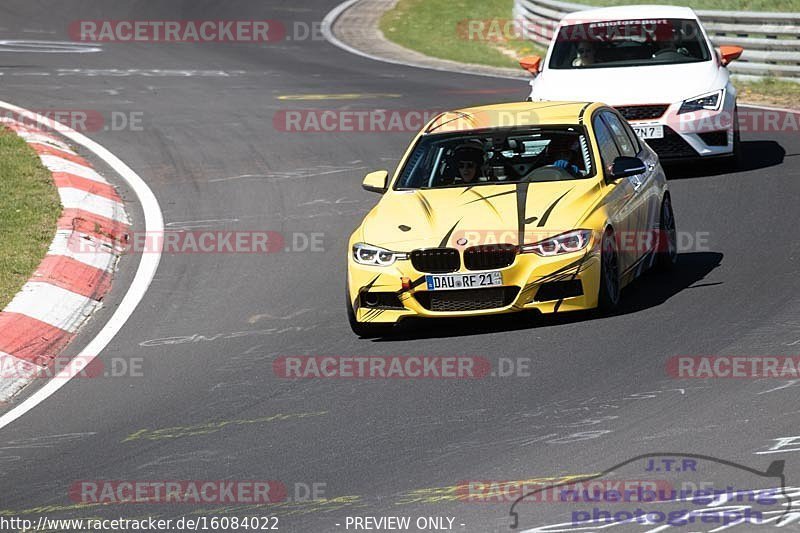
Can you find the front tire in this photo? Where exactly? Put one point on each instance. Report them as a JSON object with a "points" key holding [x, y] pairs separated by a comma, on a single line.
{"points": [[610, 285], [365, 330], [734, 161]]}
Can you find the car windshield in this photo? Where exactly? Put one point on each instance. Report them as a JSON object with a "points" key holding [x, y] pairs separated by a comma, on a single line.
{"points": [[497, 156], [628, 43]]}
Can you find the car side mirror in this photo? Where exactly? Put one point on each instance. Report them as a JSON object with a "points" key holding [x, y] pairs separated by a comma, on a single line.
{"points": [[376, 181], [624, 167], [729, 53], [532, 64]]}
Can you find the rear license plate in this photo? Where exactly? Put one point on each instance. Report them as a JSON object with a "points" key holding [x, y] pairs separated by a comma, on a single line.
{"points": [[649, 132], [449, 282]]}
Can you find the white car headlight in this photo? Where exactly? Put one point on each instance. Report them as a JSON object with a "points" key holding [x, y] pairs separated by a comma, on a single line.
{"points": [[708, 102], [366, 254], [565, 243]]}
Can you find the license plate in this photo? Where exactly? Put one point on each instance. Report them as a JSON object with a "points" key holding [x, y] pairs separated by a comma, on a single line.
{"points": [[450, 282], [649, 132]]}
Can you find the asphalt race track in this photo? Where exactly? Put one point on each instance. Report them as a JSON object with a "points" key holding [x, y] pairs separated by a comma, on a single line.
{"points": [[206, 333]]}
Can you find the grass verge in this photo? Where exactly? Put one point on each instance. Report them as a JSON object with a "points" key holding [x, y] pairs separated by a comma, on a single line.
{"points": [[769, 92], [438, 28], [29, 208]]}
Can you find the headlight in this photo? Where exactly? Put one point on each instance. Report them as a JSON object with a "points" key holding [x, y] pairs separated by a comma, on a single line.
{"points": [[561, 244], [709, 102], [365, 254]]}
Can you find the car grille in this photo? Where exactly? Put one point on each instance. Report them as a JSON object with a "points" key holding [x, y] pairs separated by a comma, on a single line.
{"points": [[672, 145], [489, 256], [642, 112], [468, 299], [436, 260]]}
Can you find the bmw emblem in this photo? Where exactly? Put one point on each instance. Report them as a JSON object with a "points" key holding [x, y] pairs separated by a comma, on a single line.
{"points": [[462, 241]]}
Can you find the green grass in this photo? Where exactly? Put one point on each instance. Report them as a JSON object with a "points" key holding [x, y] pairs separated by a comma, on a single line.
{"points": [[724, 5], [438, 28], [770, 91], [29, 208]]}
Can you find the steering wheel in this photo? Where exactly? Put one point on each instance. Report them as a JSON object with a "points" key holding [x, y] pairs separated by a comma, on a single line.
{"points": [[665, 51], [549, 173]]}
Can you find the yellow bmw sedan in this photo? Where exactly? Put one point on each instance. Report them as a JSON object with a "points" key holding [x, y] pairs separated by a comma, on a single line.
{"points": [[545, 206]]}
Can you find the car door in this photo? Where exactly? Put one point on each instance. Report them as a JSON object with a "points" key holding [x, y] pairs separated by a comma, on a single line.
{"points": [[620, 197], [646, 191], [641, 240], [651, 189]]}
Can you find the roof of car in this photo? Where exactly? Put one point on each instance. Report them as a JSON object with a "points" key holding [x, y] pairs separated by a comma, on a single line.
{"points": [[511, 115], [606, 14]]}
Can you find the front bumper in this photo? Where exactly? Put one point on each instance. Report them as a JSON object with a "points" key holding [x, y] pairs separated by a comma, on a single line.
{"points": [[529, 279], [694, 134]]}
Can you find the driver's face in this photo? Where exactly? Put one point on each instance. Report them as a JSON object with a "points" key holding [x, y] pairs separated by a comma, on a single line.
{"points": [[586, 53], [467, 170]]}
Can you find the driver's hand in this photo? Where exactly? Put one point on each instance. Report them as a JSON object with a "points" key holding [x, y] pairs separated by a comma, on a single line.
{"points": [[564, 164]]}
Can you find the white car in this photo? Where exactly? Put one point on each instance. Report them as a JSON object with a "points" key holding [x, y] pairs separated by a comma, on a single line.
{"points": [[657, 66]]}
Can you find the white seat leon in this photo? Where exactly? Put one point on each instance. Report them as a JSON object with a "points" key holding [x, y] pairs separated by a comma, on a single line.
{"points": [[657, 66]]}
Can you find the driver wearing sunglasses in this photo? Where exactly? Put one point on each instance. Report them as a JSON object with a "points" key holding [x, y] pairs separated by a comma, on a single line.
{"points": [[468, 161]]}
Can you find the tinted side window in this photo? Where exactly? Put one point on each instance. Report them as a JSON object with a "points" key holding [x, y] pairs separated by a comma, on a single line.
{"points": [[605, 143], [626, 146], [634, 138]]}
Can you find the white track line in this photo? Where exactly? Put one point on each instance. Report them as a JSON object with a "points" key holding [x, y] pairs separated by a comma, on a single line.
{"points": [[153, 221]]}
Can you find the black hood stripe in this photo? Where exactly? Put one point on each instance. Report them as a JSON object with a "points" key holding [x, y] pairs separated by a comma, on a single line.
{"points": [[547, 213], [425, 206], [482, 197], [449, 233], [522, 202]]}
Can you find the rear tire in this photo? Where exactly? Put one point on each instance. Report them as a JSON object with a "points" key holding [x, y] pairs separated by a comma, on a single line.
{"points": [[365, 330], [609, 295], [667, 249]]}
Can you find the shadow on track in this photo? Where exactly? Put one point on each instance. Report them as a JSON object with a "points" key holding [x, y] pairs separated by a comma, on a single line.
{"points": [[755, 156], [648, 291]]}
